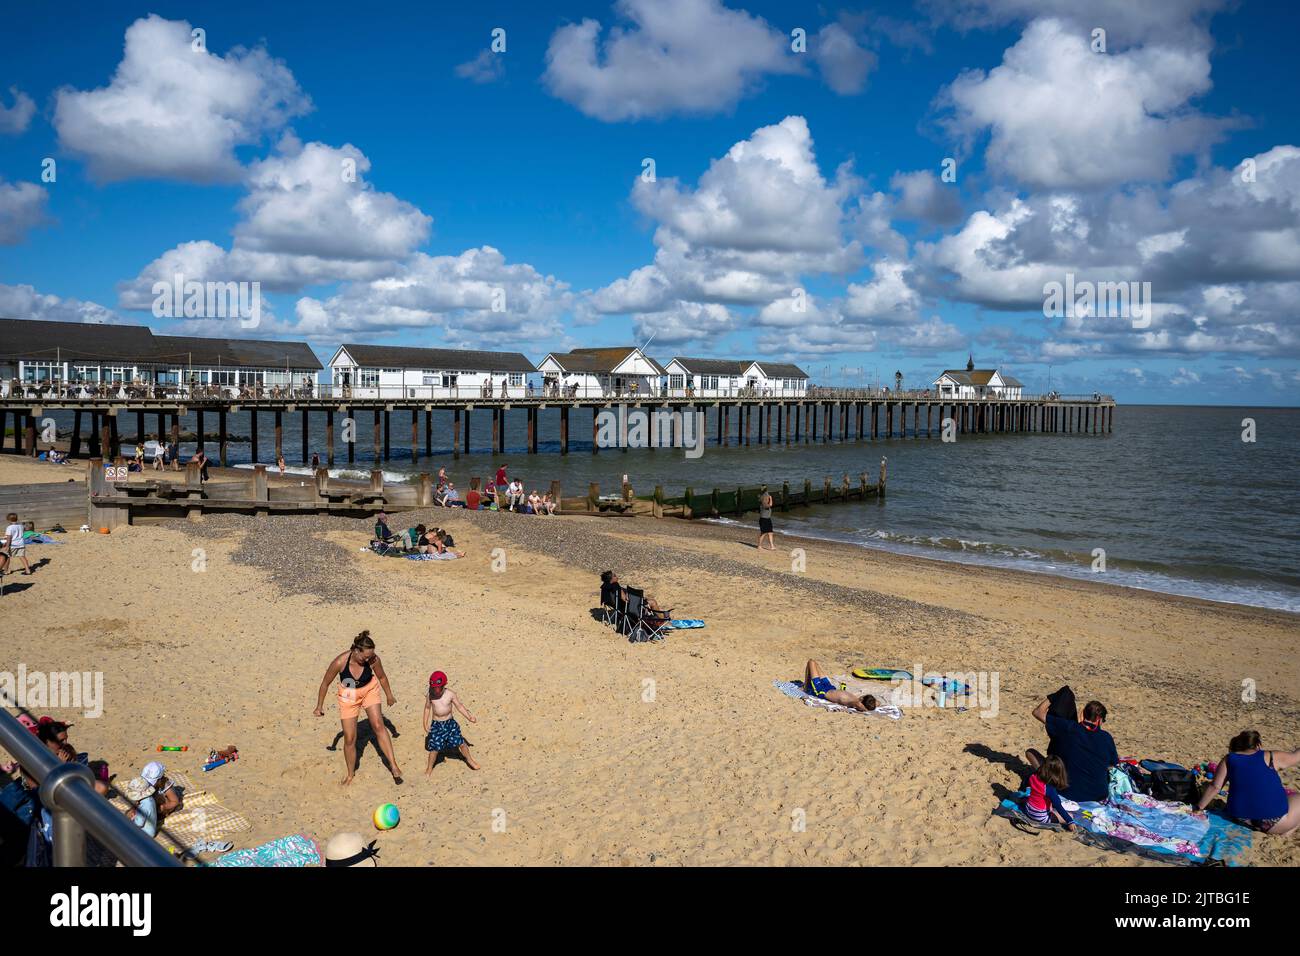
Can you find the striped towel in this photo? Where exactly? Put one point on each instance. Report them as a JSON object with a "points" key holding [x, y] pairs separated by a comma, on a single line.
{"points": [[792, 689]]}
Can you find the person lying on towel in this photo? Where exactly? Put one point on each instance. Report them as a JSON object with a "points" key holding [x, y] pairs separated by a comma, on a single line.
{"points": [[816, 683]]}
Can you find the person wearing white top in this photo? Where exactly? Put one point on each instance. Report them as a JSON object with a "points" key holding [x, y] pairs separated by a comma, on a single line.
{"points": [[17, 544]]}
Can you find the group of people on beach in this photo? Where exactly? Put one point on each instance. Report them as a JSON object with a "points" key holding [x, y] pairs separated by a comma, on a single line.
{"points": [[361, 679], [417, 540], [499, 494], [1081, 754]]}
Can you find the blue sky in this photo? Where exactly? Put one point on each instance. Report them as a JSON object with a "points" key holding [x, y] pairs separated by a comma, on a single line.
{"points": [[775, 170]]}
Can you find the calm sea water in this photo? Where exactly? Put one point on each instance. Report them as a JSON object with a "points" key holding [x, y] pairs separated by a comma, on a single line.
{"points": [[1174, 497]]}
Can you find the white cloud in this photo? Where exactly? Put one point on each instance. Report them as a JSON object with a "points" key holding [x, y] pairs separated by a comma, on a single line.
{"points": [[759, 218], [685, 322], [309, 217], [456, 294], [172, 112], [923, 197], [1060, 115], [887, 299], [22, 208], [675, 56], [487, 67], [15, 119], [24, 302], [845, 65]]}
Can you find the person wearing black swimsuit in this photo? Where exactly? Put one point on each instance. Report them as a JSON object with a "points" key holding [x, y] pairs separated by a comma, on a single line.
{"points": [[361, 676]]}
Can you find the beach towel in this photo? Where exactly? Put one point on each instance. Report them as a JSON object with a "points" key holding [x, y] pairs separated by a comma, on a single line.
{"points": [[685, 624], [297, 849], [792, 689], [201, 818], [445, 556], [1153, 829]]}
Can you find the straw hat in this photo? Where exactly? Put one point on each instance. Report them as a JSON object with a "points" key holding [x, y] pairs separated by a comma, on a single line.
{"points": [[348, 849]]}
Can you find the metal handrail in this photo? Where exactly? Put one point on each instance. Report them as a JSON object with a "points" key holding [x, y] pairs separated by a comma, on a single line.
{"points": [[68, 792]]}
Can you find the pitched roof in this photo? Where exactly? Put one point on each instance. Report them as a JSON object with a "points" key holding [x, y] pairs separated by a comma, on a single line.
{"points": [[599, 360], [72, 341], [979, 376], [255, 353], [781, 370], [1012, 382], [702, 366], [452, 360]]}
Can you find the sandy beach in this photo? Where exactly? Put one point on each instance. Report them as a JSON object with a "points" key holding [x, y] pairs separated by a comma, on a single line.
{"points": [[597, 751]]}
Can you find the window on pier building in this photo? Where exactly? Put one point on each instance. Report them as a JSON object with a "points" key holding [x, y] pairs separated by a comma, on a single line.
{"points": [[676, 381], [368, 377], [449, 379], [223, 376], [85, 373], [42, 371], [516, 379]]}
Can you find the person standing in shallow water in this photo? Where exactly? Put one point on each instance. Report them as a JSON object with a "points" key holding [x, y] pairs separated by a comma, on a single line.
{"points": [[361, 676], [765, 522]]}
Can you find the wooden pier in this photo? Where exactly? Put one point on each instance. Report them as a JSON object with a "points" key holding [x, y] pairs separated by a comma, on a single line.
{"points": [[828, 415]]}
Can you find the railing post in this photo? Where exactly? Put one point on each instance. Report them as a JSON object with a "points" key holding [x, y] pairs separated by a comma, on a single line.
{"points": [[69, 837]]}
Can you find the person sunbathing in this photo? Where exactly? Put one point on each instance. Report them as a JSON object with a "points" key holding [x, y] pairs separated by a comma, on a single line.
{"points": [[445, 544], [818, 684], [610, 587]]}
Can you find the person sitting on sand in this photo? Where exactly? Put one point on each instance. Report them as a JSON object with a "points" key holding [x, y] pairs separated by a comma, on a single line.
{"points": [[451, 497], [1044, 800], [441, 731], [1256, 797], [817, 683], [548, 505], [410, 538], [446, 544], [166, 793], [1087, 751], [144, 811], [610, 587], [361, 675], [489, 495], [514, 494]]}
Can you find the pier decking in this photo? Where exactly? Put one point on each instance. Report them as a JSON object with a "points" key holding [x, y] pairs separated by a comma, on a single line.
{"points": [[823, 416]]}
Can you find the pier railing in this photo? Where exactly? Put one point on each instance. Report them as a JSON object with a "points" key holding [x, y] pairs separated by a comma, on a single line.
{"points": [[91, 393], [67, 790]]}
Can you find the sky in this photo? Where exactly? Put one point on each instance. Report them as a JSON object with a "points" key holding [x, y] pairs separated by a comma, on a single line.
{"points": [[860, 189]]}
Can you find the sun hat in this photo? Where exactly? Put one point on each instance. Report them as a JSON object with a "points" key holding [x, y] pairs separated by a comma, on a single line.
{"points": [[348, 849], [153, 772], [137, 788], [437, 679]]}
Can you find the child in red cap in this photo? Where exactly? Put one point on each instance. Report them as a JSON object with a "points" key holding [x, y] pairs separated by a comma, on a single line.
{"points": [[442, 733]]}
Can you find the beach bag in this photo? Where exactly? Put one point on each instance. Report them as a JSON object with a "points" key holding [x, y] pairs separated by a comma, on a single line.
{"points": [[1174, 785]]}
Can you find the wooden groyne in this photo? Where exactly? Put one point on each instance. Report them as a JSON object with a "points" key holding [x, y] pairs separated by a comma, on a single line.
{"points": [[721, 502], [828, 415]]}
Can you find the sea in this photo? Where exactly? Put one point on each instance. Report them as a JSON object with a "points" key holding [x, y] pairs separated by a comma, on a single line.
{"points": [[1196, 501]]}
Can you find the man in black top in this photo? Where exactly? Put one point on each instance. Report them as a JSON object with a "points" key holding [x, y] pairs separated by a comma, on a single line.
{"points": [[1087, 750]]}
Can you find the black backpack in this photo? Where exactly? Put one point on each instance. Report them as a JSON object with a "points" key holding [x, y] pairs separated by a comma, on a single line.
{"points": [[1174, 786]]}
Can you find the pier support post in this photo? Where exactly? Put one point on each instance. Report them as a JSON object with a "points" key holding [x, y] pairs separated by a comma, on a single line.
{"points": [[455, 433], [564, 429], [223, 438], [375, 435], [350, 438], [531, 413], [749, 412], [415, 435], [595, 431], [783, 423], [329, 437], [466, 442], [176, 429], [199, 435], [388, 433], [889, 419], [724, 425], [428, 431], [279, 435], [252, 434], [74, 444], [496, 429]]}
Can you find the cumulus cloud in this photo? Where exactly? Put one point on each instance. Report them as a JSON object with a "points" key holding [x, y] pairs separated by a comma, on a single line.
{"points": [[309, 217], [686, 322], [1059, 115], [466, 296], [22, 209], [15, 119], [24, 302], [759, 217], [923, 197], [174, 112], [672, 56]]}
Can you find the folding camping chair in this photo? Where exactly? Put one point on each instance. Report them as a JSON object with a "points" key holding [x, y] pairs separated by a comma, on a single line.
{"points": [[612, 614], [640, 622]]}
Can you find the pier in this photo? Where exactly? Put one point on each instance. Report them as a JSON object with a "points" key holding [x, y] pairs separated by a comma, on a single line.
{"points": [[100, 422]]}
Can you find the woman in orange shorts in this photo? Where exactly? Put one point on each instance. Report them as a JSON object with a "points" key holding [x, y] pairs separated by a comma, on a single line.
{"points": [[361, 676]]}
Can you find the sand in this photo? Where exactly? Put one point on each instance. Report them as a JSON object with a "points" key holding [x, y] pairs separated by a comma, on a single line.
{"points": [[598, 751]]}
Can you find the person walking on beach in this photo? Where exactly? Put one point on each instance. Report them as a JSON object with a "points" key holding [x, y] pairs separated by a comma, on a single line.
{"points": [[765, 522], [501, 476], [1256, 797], [441, 731], [202, 460], [159, 454], [17, 542], [361, 675], [279, 463], [174, 455]]}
